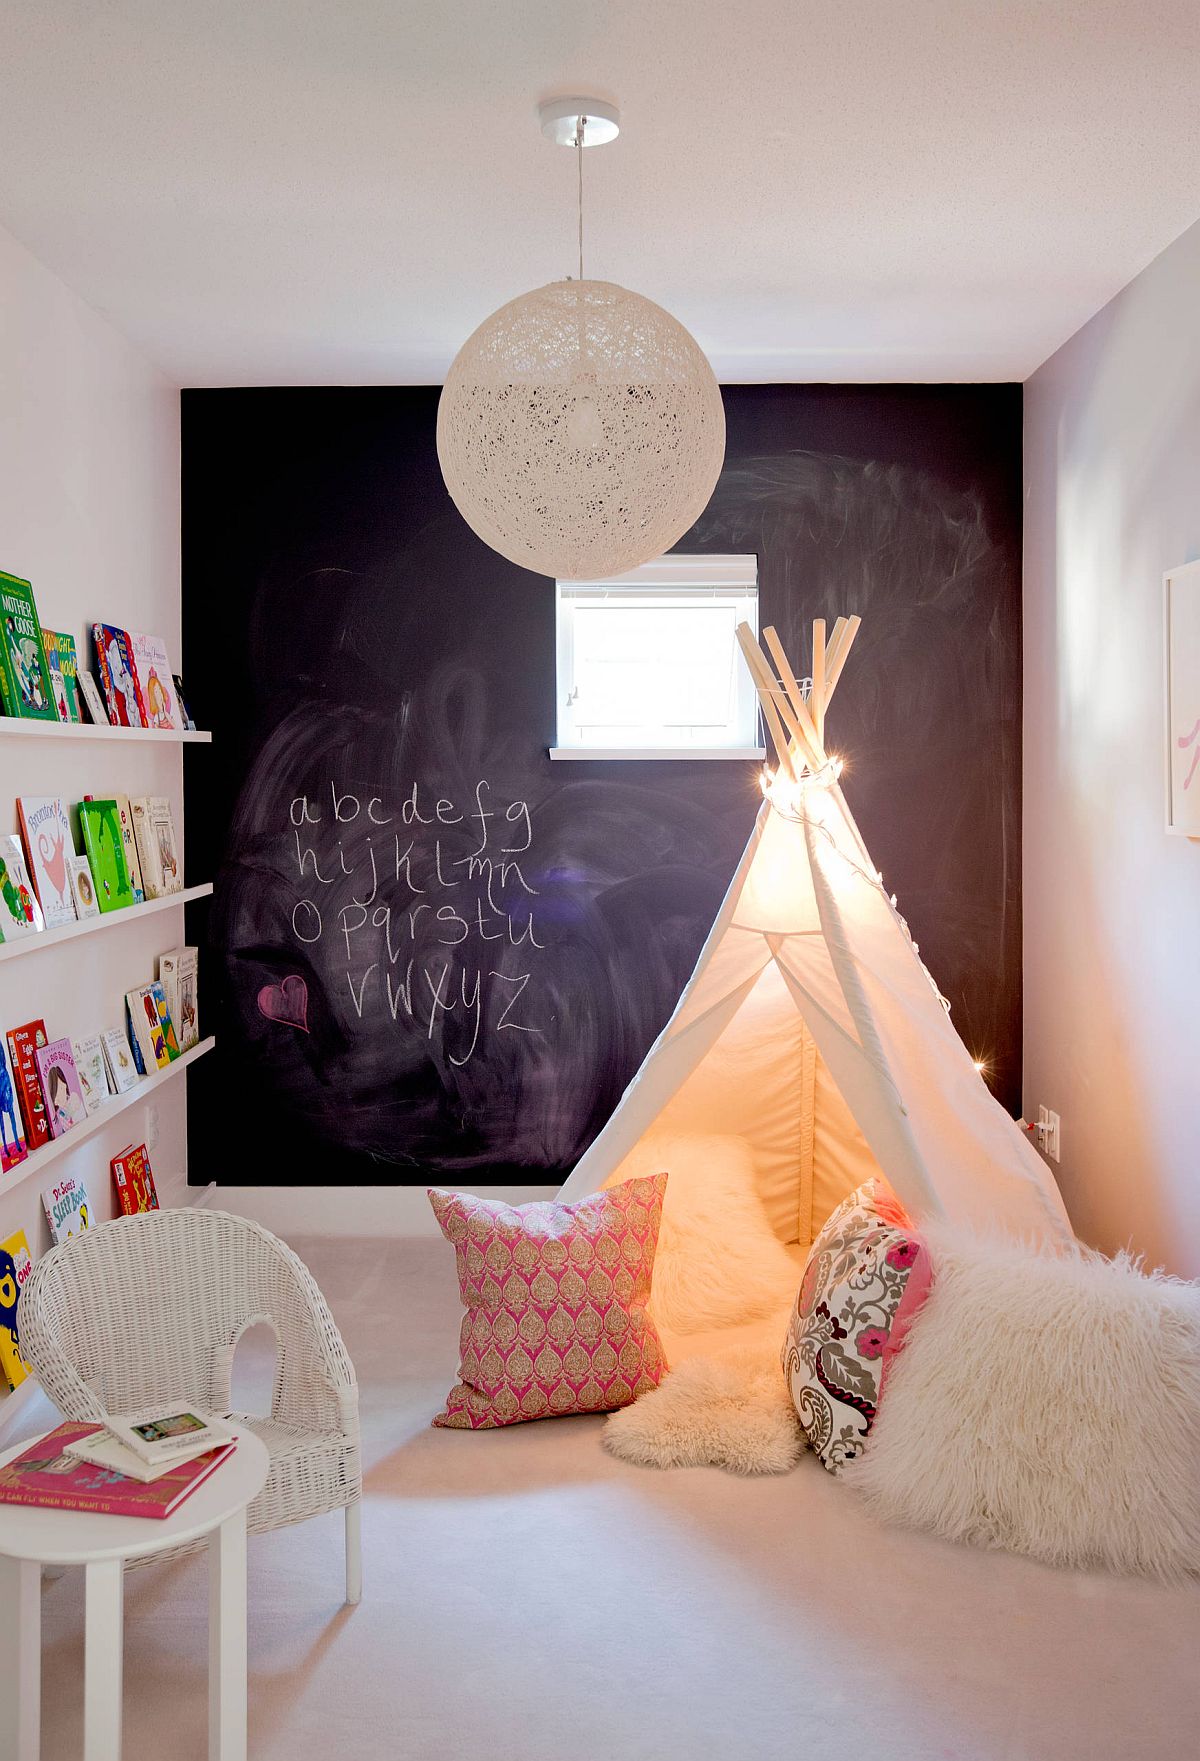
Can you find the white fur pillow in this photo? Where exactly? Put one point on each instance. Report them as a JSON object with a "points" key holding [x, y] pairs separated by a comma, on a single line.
{"points": [[719, 1262], [1048, 1405], [733, 1412]]}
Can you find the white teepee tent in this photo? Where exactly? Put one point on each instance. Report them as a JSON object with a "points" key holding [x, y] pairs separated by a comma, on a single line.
{"points": [[810, 1026]]}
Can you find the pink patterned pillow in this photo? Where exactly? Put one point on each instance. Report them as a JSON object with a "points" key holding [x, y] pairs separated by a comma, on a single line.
{"points": [[556, 1299], [867, 1275]]}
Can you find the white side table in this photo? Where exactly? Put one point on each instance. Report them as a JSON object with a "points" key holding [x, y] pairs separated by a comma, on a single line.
{"points": [[31, 1538]]}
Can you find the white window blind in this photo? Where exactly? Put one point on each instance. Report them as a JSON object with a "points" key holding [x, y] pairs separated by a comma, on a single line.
{"points": [[648, 664]]}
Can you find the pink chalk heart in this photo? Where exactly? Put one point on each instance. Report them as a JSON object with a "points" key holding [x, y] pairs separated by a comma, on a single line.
{"points": [[286, 1002]]}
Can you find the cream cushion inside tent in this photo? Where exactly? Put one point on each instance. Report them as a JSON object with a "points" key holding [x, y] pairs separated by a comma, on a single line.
{"points": [[811, 1028]]}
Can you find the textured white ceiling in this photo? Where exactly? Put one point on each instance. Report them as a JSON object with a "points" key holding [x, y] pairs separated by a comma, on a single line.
{"points": [[337, 191]]}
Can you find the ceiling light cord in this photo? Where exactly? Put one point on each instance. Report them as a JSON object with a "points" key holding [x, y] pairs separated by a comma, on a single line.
{"points": [[579, 128]]}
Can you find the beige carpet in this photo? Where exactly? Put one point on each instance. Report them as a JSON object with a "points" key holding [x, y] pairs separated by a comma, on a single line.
{"points": [[528, 1598]]}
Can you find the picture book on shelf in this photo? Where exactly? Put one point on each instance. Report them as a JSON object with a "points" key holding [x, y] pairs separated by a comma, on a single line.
{"points": [[89, 1065], [129, 840], [181, 698], [49, 1475], [65, 1106], [118, 677], [24, 678], [153, 671], [83, 888], [134, 1180], [15, 1267], [13, 1148], [162, 871], [118, 1060], [151, 1030], [100, 828], [62, 664], [46, 835], [90, 699], [20, 913], [68, 1209], [170, 1037], [177, 972], [24, 1043]]}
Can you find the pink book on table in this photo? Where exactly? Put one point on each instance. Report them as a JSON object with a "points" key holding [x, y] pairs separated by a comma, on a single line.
{"points": [[46, 1477]]}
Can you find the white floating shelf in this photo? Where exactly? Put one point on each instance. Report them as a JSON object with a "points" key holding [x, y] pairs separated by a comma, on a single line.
{"points": [[35, 730], [41, 1158], [49, 938]]}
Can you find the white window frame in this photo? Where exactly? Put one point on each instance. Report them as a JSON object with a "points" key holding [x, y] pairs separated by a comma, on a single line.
{"points": [[726, 579]]}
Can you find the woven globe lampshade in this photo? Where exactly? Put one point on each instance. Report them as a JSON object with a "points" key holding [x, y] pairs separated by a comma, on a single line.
{"points": [[580, 430]]}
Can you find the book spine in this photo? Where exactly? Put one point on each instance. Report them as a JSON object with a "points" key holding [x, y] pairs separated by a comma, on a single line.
{"points": [[147, 849]]}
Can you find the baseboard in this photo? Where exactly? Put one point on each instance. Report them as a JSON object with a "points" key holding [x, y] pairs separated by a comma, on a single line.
{"points": [[349, 1210]]}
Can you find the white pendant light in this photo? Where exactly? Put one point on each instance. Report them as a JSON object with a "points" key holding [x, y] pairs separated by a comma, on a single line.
{"points": [[580, 429]]}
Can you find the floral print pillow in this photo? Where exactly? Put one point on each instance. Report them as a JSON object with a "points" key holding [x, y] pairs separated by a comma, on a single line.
{"points": [[867, 1274]]}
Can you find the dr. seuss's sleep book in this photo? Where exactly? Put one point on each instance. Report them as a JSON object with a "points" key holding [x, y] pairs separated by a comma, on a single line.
{"points": [[24, 677], [104, 842], [118, 677], [15, 1267], [68, 1210]]}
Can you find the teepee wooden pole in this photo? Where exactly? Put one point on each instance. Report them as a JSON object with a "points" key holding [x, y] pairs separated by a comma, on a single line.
{"points": [[803, 731], [801, 725], [834, 672], [817, 699], [798, 722], [834, 649], [800, 710], [764, 684], [787, 677]]}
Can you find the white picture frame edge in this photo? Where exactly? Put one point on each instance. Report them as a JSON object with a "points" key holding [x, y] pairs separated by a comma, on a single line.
{"points": [[1180, 571]]}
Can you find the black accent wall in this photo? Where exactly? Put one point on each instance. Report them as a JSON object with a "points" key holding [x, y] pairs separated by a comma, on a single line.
{"points": [[456, 983]]}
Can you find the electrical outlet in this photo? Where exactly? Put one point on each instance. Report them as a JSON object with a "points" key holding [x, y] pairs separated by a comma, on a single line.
{"points": [[1049, 1134], [151, 1128]]}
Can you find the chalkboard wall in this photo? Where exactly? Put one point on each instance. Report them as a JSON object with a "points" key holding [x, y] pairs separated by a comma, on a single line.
{"points": [[432, 953]]}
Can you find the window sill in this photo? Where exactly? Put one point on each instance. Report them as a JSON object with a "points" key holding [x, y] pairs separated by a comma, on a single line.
{"points": [[660, 754]]}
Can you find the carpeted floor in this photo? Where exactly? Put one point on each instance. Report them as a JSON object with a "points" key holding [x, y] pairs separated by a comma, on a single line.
{"points": [[529, 1598]]}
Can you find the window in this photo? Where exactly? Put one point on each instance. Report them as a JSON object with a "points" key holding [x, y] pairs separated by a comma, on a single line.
{"points": [[649, 666]]}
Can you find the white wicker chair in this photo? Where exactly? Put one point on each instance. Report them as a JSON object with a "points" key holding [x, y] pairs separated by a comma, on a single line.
{"points": [[149, 1309]]}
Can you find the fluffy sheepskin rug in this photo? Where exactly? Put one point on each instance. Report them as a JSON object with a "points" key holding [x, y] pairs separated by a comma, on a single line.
{"points": [[719, 1263], [734, 1412], [1050, 1405]]}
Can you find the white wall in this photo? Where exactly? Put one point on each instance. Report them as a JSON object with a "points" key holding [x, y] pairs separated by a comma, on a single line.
{"points": [[1111, 904], [89, 512]]}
